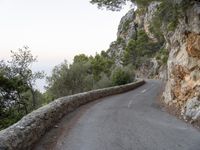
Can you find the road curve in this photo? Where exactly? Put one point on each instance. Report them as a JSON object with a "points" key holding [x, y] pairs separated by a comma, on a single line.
{"points": [[128, 121]]}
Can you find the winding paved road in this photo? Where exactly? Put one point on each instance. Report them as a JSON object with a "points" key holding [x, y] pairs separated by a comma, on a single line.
{"points": [[129, 121]]}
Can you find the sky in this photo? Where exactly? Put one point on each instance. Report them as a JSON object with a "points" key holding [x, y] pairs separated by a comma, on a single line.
{"points": [[55, 30]]}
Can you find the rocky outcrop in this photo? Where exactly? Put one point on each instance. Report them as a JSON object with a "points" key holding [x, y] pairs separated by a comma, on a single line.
{"points": [[128, 29], [192, 109], [193, 45], [183, 44], [148, 20], [152, 68], [23, 134], [183, 85], [148, 69]]}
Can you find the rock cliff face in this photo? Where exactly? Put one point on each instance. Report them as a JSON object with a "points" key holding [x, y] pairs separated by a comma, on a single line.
{"points": [[128, 28], [152, 8], [126, 31], [183, 85]]}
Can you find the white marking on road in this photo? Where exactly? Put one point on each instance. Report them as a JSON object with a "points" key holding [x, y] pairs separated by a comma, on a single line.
{"points": [[131, 101], [129, 104], [144, 91]]}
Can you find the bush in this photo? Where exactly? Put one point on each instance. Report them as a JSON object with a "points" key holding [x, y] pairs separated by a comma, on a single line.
{"points": [[103, 82], [122, 76]]}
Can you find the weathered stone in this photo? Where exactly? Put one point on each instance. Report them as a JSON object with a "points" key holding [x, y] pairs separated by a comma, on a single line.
{"points": [[184, 61], [151, 68], [152, 8], [192, 109], [184, 47], [126, 31], [127, 27], [193, 45]]}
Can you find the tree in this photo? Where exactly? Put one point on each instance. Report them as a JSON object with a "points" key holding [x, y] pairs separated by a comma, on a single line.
{"points": [[130, 53], [101, 63], [20, 64], [11, 89], [70, 79], [116, 5], [84, 74], [59, 80], [17, 94], [82, 58]]}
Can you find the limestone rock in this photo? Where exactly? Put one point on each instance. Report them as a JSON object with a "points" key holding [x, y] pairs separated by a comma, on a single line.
{"points": [[193, 45], [183, 83], [126, 31], [127, 26], [152, 8], [192, 109]]}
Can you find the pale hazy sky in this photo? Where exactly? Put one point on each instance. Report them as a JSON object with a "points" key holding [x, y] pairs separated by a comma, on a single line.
{"points": [[56, 29]]}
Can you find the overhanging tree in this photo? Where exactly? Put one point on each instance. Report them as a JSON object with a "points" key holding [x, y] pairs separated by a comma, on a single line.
{"points": [[116, 5]]}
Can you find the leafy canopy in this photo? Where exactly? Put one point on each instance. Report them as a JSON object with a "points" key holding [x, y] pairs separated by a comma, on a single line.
{"points": [[116, 5]]}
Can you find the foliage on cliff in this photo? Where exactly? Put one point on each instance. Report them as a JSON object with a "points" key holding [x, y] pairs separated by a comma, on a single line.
{"points": [[139, 49], [168, 15]]}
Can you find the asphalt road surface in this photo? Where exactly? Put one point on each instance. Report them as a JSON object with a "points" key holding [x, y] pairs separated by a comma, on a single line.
{"points": [[128, 121]]}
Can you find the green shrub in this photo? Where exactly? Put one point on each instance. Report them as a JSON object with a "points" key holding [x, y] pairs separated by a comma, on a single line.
{"points": [[121, 76]]}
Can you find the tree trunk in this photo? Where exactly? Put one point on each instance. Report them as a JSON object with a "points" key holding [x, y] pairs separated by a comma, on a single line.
{"points": [[33, 97]]}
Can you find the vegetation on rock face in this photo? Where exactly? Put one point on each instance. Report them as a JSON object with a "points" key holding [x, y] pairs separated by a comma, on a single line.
{"points": [[162, 55], [169, 11], [139, 49], [126, 25], [166, 18], [168, 15]]}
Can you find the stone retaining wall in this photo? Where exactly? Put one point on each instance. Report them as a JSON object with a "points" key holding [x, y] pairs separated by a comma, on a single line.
{"points": [[23, 134]]}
